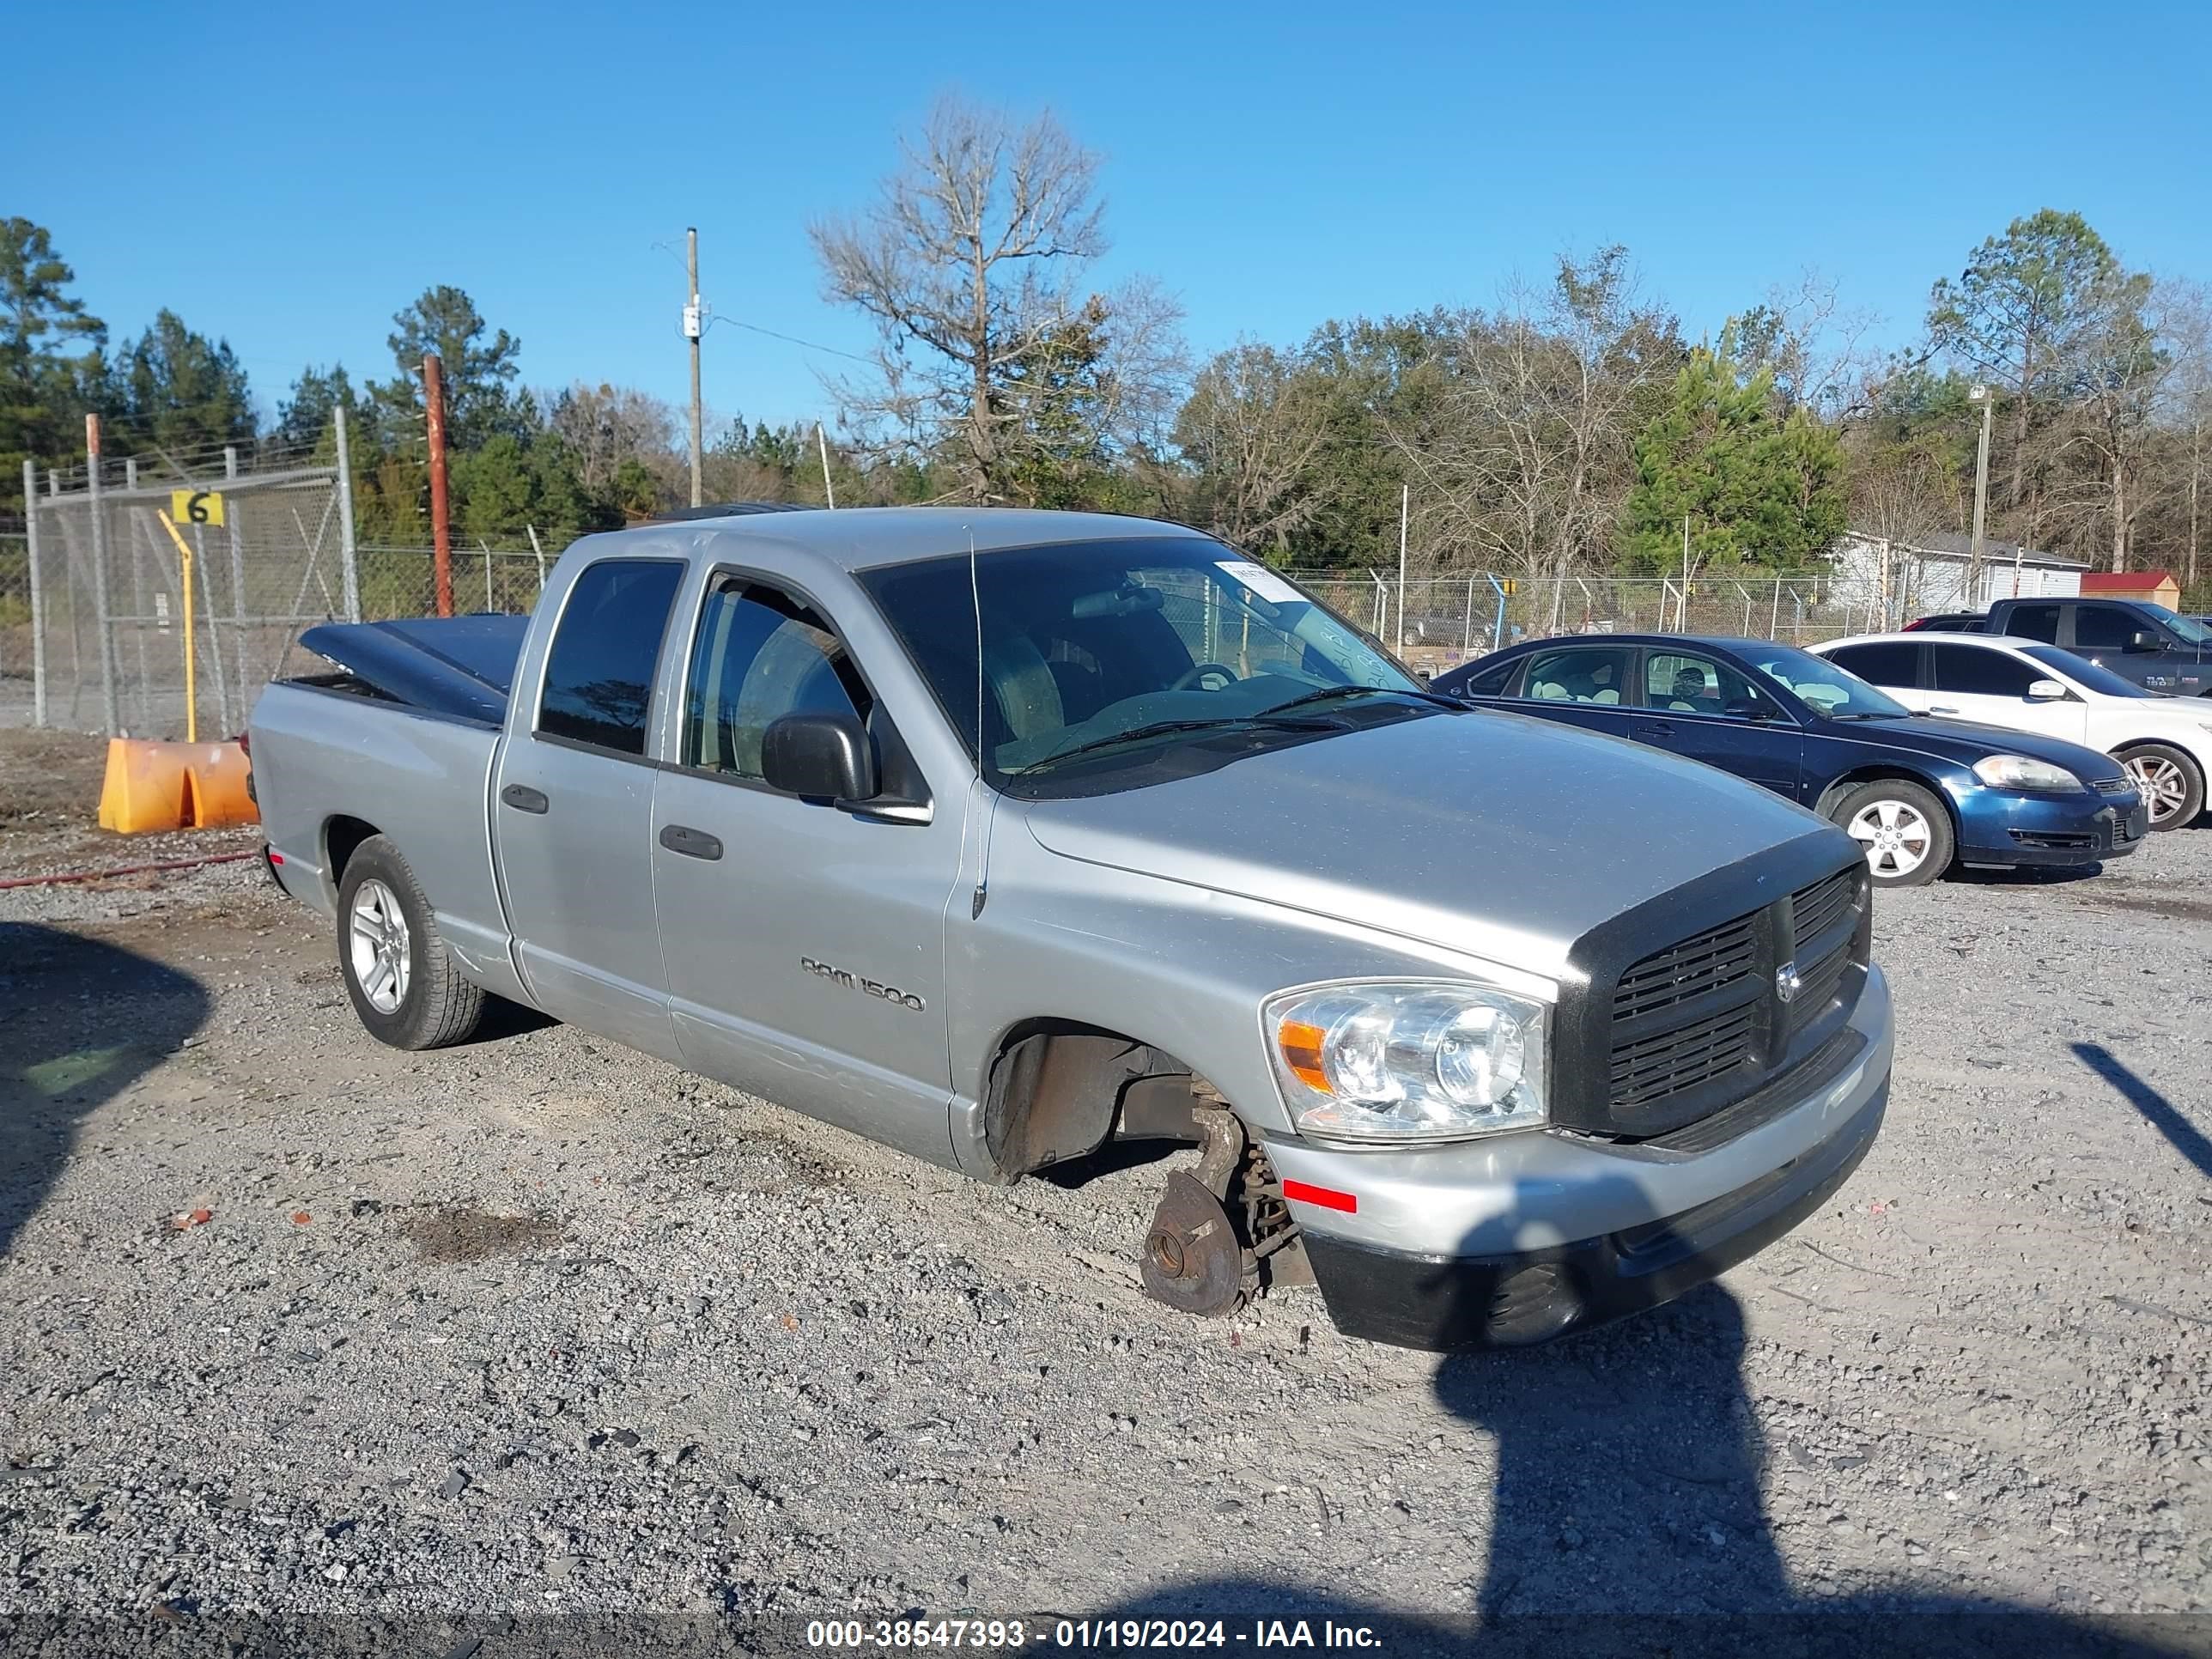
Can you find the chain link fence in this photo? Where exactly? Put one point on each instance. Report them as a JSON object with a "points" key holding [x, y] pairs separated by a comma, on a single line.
{"points": [[403, 581], [1451, 619], [18, 658], [106, 575], [92, 601]]}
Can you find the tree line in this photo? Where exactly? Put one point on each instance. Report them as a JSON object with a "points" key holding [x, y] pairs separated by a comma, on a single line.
{"points": [[1573, 426]]}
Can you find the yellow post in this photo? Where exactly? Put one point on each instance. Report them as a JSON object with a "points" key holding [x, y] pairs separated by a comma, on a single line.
{"points": [[191, 702]]}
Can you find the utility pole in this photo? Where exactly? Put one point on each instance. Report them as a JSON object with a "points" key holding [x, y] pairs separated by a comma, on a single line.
{"points": [[1972, 598], [822, 443], [691, 331], [441, 540]]}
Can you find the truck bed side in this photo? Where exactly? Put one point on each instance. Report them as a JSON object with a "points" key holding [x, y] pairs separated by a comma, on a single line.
{"points": [[330, 766]]}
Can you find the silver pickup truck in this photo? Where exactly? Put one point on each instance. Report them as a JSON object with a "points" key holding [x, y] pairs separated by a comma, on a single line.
{"points": [[998, 835]]}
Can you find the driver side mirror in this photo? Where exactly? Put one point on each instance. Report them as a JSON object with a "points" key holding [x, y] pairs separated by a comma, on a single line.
{"points": [[820, 758], [2046, 691], [2142, 639]]}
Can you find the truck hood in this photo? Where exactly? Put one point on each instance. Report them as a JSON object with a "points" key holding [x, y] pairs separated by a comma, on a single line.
{"points": [[1488, 833]]}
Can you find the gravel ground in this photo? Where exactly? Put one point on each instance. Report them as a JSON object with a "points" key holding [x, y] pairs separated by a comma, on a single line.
{"points": [[537, 1332]]}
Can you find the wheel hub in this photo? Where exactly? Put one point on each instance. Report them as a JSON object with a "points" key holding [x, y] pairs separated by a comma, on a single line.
{"points": [[377, 947]]}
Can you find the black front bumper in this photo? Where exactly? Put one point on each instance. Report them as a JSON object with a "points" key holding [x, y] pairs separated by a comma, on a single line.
{"points": [[1441, 1303]]}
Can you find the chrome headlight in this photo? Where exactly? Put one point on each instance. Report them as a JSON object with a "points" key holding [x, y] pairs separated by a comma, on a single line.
{"points": [[2019, 772], [1423, 1060]]}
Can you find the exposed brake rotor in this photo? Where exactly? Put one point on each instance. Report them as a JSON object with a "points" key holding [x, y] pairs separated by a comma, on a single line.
{"points": [[1194, 1259]]}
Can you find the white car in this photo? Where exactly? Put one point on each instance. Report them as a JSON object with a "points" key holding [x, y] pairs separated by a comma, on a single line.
{"points": [[2165, 744]]}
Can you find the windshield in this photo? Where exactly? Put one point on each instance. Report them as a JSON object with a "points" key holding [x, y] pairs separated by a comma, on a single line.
{"points": [[1097, 654], [2189, 632], [1830, 690], [2082, 671]]}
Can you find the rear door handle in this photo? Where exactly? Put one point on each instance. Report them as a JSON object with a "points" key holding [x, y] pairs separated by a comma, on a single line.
{"points": [[1655, 728], [692, 843], [524, 799], [1940, 708]]}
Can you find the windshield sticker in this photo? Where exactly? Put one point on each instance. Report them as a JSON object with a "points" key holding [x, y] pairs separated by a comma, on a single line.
{"points": [[1261, 580]]}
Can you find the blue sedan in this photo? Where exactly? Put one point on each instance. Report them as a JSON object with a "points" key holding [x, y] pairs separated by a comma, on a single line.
{"points": [[1917, 793]]}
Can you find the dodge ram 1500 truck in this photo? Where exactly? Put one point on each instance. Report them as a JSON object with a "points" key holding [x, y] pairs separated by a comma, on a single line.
{"points": [[2133, 638], [997, 835]]}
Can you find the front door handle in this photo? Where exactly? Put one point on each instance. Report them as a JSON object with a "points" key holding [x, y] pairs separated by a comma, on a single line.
{"points": [[692, 843], [524, 799], [1940, 708], [1654, 729]]}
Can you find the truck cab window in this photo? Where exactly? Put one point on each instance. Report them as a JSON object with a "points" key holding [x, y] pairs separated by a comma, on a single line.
{"points": [[2104, 627], [598, 671], [761, 655], [2035, 621]]}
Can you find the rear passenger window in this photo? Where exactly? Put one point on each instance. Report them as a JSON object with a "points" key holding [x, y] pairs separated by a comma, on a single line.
{"points": [[761, 655], [1897, 665], [2033, 621], [1982, 674], [1581, 674], [599, 673], [1490, 682]]}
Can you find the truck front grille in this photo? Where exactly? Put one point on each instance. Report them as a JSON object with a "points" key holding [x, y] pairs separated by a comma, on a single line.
{"points": [[1654, 1067], [1818, 907], [1708, 962], [1701, 1024]]}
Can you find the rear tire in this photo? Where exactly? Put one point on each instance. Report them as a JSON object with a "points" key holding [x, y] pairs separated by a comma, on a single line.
{"points": [[2169, 782], [1901, 828], [397, 969]]}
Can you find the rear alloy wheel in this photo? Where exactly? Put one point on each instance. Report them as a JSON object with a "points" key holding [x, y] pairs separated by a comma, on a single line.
{"points": [[400, 975], [1902, 828], [2169, 783]]}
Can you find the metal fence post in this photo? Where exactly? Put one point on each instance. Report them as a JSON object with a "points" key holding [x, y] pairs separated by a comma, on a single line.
{"points": [[37, 598], [349, 572], [100, 577], [1466, 633], [237, 580]]}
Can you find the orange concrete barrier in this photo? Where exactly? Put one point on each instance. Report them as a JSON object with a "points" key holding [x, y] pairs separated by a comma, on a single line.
{"points": [[153, 787]]}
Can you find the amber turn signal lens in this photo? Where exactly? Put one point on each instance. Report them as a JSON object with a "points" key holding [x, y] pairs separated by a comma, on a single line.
{"points": [[1300, 1046]]}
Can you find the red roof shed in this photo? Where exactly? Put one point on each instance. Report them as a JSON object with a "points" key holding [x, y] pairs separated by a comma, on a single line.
{"points": [[2157, 587]]}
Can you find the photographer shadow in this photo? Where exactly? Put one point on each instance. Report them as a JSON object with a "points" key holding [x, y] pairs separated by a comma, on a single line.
{"points": [[80, 1021], [1630, 1522]]}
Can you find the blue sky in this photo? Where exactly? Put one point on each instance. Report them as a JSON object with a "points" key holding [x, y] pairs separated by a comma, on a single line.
{"points": [[288, 181]]}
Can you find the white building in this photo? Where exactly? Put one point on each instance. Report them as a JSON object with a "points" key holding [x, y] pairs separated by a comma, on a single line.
{"points": [[1930, 574]]}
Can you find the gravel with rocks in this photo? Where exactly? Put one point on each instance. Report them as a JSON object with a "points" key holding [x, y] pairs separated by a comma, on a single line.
{"points": [[538, 1329]]}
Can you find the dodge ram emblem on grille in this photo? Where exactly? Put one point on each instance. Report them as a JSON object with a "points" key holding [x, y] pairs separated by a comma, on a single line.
{"points": [[1786, 981]]}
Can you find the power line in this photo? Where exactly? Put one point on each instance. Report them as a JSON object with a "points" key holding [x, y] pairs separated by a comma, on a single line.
{"points": [[793, 339]]}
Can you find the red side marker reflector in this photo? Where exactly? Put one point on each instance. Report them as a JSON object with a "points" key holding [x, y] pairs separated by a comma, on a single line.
{"points": [[275, 858], [1328, 1197]]}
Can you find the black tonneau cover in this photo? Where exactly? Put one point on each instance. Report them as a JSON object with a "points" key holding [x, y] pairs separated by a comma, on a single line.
{"points": [[459, 666]]}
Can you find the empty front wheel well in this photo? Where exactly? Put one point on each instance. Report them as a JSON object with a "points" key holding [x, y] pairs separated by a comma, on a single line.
{"points": [[342, 838], [1059, 1090]]}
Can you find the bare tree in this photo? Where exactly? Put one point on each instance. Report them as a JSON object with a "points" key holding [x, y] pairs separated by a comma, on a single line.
{"points": [[972, 265], [1816, 349], [606, 425], [1253, 426], [1527, 453]]}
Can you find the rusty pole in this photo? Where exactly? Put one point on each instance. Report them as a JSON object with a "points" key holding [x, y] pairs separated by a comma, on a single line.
{"points": [[441, 539]]}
